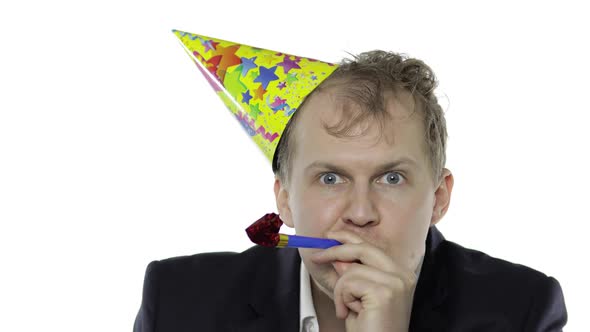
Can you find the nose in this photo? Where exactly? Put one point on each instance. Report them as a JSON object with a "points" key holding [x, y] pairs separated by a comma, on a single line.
{"points": [[361, 209]]}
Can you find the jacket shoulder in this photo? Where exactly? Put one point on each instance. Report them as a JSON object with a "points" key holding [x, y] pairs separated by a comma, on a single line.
{"points": [[469, 263], [206, 269], [492, 289], [195, 290]]}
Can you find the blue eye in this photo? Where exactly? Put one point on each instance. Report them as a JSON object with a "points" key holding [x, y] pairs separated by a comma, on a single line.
{"points": [[330, 178], [392, 178]]}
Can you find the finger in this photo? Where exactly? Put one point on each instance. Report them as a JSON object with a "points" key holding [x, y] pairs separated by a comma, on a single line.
{"points": [[350, 322], [364, 253], [345, 237], [350, 238], [341, 267], [352, 303], [341, 309], [349, 293], [398, 283], [344, 304], [369, 287]]}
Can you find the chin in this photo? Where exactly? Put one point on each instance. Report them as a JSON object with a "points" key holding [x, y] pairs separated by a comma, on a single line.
{"points": [[325, 279]]}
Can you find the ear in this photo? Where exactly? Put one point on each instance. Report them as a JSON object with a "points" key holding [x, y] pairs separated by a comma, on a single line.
{"points": [[442, 197], [282, 200]]}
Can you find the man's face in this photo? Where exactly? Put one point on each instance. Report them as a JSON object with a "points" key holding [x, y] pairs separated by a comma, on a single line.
{"points": [[380, 189]]}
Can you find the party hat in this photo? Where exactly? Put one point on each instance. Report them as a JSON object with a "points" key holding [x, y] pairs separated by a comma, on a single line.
{"points": [[261, 88]]}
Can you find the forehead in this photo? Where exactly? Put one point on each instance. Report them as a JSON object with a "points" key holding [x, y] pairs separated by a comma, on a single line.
{"points": [[400, 132]]}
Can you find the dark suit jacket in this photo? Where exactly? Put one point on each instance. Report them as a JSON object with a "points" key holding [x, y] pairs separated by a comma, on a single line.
{"points": [[258, 290]]}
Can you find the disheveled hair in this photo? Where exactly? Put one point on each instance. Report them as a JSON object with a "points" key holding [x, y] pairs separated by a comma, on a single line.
{"points": [[365, 81]]}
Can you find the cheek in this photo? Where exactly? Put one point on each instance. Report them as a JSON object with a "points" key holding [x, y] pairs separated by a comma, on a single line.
{"points": [[315, 213], [407, 214], [412, 219], [404, 216], [411, 209]]}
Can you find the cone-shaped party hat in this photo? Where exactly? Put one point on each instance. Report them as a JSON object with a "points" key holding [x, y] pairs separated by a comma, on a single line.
{"points": [[261, 88]]}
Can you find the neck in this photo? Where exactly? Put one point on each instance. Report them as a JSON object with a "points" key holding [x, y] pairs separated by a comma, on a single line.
{"points": [[325, 310]]}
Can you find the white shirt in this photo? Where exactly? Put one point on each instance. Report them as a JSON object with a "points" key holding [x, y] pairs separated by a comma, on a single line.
{"points": [[308, 321]]}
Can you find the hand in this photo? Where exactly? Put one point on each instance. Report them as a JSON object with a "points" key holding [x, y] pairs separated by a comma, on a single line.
{"points": [[373, 293]]}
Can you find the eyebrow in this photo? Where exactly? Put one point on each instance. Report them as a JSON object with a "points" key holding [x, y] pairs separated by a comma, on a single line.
{"points": [[382, 168]]}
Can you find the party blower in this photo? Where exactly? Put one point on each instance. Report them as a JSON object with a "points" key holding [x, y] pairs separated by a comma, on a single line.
{"points": [[265, 232], [262, 89]]}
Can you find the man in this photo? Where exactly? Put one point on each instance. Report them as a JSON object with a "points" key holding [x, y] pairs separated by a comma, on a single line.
{"points": [[361, 161]]}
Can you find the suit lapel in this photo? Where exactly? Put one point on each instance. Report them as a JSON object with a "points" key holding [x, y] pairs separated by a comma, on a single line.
{"points": [[273, 300]]}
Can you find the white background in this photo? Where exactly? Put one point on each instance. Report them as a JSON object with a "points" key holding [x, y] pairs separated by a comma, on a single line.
{"points": [[114, 151]]}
